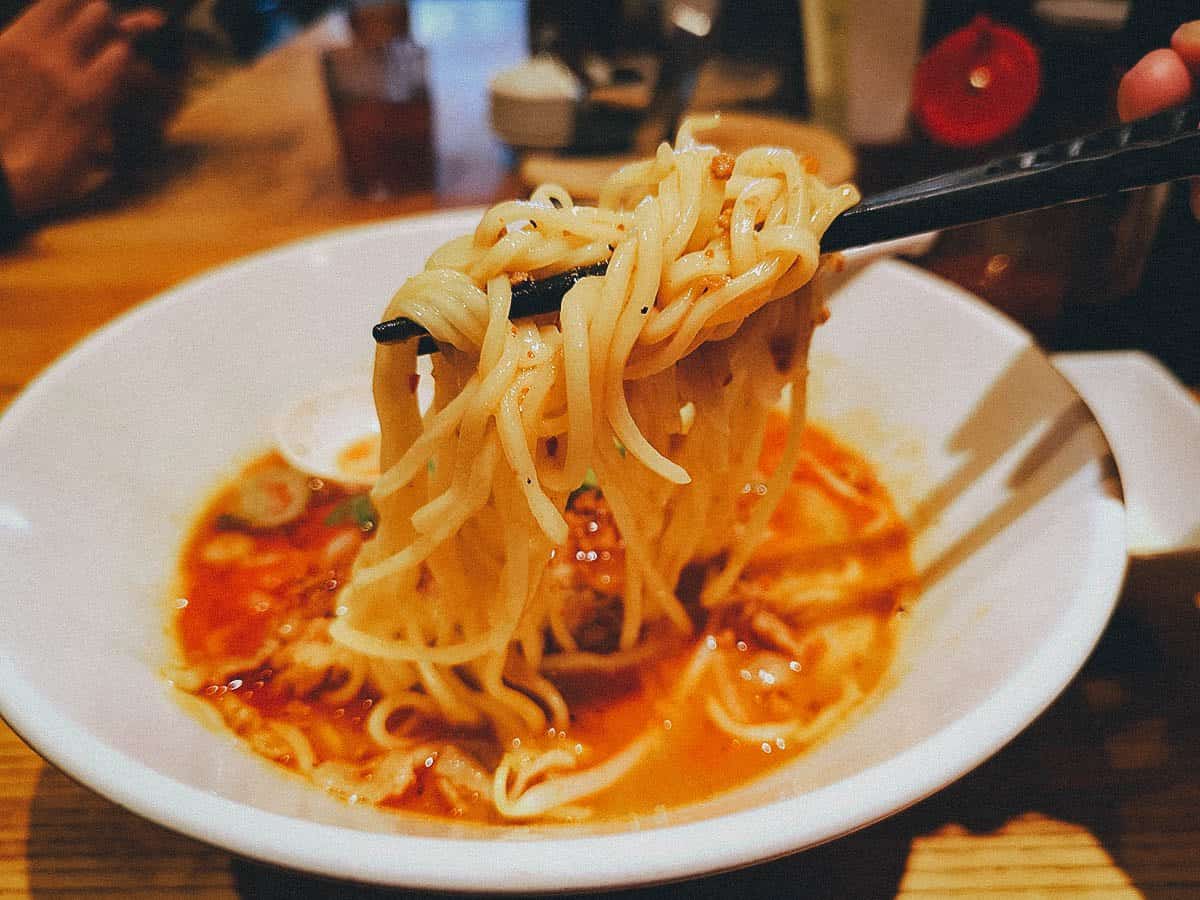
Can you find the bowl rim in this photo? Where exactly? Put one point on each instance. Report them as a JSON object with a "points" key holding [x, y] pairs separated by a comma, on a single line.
{"points": [[621, 859]]}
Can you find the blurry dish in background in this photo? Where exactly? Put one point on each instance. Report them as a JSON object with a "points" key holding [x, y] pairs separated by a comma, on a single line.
{"points": [[1089, 15], [534, 104], [1153, 426], [734, 132], [543, 104], [722, 83]]}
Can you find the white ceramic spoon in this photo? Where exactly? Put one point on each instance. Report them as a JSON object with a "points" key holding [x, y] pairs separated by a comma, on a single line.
{"points": [[333, 433]]}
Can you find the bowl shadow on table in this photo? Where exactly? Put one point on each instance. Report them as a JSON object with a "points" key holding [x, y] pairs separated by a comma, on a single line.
{"points": [[1114, 755], [79, 844]]}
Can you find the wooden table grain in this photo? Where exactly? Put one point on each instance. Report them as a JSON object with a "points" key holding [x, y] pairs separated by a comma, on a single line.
{"points": [[1100, 798]]}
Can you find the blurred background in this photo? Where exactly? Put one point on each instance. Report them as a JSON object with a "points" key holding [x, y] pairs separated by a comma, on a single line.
{"points": [[446, 102]]}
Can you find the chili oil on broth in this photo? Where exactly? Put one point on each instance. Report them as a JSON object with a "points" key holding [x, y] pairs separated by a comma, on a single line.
{"points": [[808, 641]]}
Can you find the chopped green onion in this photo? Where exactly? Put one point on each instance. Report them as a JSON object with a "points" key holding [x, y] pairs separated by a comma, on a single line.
{"points": [[590, 483], [357, 509]]}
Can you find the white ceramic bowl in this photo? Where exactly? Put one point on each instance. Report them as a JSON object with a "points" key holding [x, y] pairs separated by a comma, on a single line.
{"points": [[534, 103], [105, 458], [536, 122]]}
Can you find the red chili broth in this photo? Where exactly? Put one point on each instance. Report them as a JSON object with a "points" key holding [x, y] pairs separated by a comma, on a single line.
{"points": [[231, 609]]}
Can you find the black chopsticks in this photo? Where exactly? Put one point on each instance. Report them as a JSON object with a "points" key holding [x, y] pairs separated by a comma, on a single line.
{"points": [[529, 298], [1154, 150]]}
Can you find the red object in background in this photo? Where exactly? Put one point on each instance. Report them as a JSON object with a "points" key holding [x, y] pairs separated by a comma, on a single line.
{"points": [[976, 84]]}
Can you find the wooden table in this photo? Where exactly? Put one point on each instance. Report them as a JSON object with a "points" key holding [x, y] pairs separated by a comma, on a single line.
{"points": [[1100, 798], [252, 162]]}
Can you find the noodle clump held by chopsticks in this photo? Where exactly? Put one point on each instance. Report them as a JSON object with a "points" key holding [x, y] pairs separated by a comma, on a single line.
{"points": [[658, 377]]}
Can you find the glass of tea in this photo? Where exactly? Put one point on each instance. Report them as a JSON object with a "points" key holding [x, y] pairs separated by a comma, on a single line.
{"points": [[379, 96]]}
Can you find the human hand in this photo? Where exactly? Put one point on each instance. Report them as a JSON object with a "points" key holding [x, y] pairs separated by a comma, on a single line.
{"points": [[62, 66], [1162, 79]]}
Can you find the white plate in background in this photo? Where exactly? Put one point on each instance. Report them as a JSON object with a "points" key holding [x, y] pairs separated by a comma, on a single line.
{"points": [[1153, 426]]}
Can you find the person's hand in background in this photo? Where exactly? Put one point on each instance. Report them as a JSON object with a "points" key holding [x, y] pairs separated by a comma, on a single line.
{"points": [[1162, 79], [63, 64]]}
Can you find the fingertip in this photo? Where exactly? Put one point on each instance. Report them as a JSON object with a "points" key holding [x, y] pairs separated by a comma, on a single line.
{"points": [[140, 21], [1186, 42], [103, 74], [1159, 81]]}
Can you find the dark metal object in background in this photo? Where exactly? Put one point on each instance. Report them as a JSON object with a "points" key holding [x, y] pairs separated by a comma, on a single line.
{"points": [[688, 37]]}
